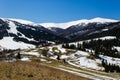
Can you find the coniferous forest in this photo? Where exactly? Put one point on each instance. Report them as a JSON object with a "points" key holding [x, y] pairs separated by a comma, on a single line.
{"points": [[100, 47]]}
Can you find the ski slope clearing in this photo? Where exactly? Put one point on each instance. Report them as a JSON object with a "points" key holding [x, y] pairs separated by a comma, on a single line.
{"points": [[9, 43]]}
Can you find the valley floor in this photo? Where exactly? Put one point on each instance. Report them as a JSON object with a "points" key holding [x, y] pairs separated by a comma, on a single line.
{"points": [[33, 71], [37, 64], [41, 71], [86, 73]]}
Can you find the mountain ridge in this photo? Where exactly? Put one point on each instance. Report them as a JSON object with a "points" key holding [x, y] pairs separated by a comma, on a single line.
{"points": [[71, 23], [33, 33], [63, 25]]}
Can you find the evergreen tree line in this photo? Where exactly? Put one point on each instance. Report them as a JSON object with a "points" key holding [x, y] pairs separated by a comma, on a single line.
{"points": [[110, 67], [104, 47]]}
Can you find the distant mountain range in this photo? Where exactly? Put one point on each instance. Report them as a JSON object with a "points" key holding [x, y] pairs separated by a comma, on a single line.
{"points": [[80, 22], [44, 33]]}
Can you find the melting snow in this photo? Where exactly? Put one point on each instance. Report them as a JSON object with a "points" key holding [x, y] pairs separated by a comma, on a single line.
{"points": [[31, 53], [105, 29], [8, 43], [61, 49], [25, 59], [43, 60], [12, 28], [64, 57], [106, 37], [81, 59], [111, 60], [53, 57], [117, 47], [79, 53], [89, 63]]}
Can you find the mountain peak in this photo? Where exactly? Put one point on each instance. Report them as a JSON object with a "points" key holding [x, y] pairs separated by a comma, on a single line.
{"points": [[78, 22], [103, 20]]}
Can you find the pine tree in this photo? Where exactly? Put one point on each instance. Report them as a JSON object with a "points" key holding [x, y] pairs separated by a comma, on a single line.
{"points": [[79, 46], [103, 63], [72, 46], [18, 55], [63, 45], [67, 45]]}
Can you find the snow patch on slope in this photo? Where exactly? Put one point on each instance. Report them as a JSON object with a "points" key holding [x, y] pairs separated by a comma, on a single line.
{"points": [[81, 59], [59, 48], [31, 53], [25, 59], [12, 28], [80, 53], [106, 37], [117, 47], [8, 43], [111, 60], [64, 57]]}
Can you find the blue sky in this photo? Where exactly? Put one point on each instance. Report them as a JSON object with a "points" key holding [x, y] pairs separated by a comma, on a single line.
{"points": [[59, 10]]}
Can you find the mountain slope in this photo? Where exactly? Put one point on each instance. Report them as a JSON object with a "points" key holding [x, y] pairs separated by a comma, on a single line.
{"points": [[84, 30], [76, 30], [9, 43], [112, 29], [35, 34], [56, 30], [27, 32]]}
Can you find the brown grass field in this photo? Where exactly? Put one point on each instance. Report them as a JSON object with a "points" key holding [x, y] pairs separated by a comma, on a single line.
{"points": [[33, 71]]}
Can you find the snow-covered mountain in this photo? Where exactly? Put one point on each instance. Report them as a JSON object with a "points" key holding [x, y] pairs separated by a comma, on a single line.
{"points": [[93, 28], [25, 32], [36, 34], [74, 29], [88, 54], [82, 22]]}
